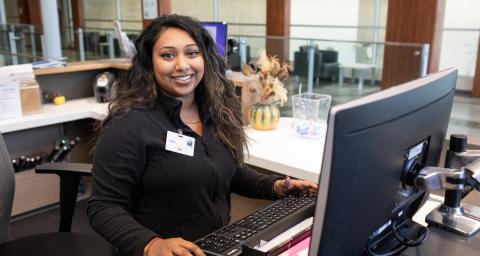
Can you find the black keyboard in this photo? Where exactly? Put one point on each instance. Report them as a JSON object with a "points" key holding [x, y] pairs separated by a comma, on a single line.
{"points": [[272, 219]]}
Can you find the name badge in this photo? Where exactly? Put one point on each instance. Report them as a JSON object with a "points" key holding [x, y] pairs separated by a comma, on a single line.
{"points": [[180, 143]]}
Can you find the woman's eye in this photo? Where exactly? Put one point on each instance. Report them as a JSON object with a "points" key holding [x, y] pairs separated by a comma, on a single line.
{"points": [[167, 56], [192, 53]]}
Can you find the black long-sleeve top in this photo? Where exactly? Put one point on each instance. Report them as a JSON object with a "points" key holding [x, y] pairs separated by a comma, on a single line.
{"points": [[141, 190]]}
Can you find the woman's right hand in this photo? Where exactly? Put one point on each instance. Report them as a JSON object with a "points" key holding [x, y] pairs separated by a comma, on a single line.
{"points": [[174, 247]]}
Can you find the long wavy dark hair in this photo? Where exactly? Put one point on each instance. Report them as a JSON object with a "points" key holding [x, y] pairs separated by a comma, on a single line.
{"points": [[137, 88]]}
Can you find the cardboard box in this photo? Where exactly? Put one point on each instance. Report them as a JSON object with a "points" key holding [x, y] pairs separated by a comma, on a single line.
{"points": [[30, 97]]}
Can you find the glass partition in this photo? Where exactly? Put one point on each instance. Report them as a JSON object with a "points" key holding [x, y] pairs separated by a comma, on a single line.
{"points": [[343, 69], [19, 43], [7, 59], [97, 43], [4, 46]]}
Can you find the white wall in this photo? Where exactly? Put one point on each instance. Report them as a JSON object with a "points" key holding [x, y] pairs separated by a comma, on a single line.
{"points": [[105, 9], [11, 10], [231, 11], [459, 48], [325, 12], [199, 9], [244, 11]]}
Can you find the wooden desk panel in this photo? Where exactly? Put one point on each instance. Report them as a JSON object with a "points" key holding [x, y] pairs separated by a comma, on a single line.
{"points": [[85, 66]]}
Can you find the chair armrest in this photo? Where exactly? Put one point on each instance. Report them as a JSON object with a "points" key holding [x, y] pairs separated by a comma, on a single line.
{"points": [[70, 175], [64, 168]]}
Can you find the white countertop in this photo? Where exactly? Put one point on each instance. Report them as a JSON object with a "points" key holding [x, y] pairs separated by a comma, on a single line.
{"points": [[54, 114], [279, 150]]}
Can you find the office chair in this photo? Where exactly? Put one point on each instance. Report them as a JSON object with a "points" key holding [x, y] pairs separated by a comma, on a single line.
{"points": [[329, 65], [300, 63], [325, 63], [59, 243], [91, 42]]}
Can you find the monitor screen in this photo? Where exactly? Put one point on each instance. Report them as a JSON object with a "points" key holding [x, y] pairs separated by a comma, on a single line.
{"points": [[218, 31], [368, 143]]}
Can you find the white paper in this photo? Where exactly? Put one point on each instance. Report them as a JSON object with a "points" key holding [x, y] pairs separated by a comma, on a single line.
{"points": [[10, 104], [23, 72], [150, 11]]}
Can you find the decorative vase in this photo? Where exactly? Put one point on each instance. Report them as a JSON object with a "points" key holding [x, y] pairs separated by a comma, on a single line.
{"points": [[264, 116]]}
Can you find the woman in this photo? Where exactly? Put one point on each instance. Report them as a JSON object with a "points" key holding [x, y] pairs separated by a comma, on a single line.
{"points": [[170, 151]]}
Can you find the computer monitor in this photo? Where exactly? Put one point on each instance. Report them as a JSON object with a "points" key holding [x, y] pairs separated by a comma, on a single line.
{"points": [[370, 143], [218, 31]]}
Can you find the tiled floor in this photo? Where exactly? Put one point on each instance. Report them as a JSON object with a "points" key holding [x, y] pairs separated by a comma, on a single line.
{"points": [[465, 119]]}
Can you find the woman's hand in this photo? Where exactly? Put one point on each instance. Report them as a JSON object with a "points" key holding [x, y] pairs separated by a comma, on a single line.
{"points": [[173, 247], [281, 187]]}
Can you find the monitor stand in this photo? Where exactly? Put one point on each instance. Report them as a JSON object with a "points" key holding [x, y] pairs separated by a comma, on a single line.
{"points": [[452, 215], [463, 220]]}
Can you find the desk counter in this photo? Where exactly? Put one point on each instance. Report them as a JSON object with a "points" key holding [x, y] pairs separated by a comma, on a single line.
{"points": [[278, 150], [55, 114], [441, 242], [122, 64]]}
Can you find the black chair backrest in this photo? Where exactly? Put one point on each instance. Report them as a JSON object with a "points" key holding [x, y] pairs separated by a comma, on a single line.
{"points": [[7, 189], [329, 56], [45, 244], [304, 48], [300, 63]]}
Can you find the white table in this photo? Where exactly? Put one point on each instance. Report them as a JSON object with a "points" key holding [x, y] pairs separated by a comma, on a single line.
{"points": [[278, 150], [361, 67]]}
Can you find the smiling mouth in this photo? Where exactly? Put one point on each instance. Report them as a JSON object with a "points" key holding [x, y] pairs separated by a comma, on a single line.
{"points": [[183, 78]]}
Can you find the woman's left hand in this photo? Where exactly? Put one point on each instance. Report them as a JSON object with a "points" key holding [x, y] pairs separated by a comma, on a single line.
{"points": [[281, 187]]}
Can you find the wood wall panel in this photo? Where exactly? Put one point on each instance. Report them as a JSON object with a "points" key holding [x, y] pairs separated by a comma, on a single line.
{"points": [[411, 21], [23, 11], [476, 79], [164, 7], [78, 14], [78, 18], [278, 24], [29, 12], [36, 15], [33, 191]]}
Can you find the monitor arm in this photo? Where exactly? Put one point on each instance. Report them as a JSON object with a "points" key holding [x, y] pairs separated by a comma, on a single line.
{"points": [[435, 178], [473, 174], [460, 218], [457, 154]]}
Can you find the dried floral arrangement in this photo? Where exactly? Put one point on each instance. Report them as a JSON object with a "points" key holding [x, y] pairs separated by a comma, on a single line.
{"points": [[268, 74]]}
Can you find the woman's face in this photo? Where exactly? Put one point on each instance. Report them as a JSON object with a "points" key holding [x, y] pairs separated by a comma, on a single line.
{"points": [[178, 65]]}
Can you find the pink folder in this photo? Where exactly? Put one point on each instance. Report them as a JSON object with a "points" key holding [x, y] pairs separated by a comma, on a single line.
{"points": [[299, 249]]}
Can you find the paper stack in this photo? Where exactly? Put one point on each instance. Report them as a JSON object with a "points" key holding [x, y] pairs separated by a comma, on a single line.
{"points": [[19, 91], [44, 64]]}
